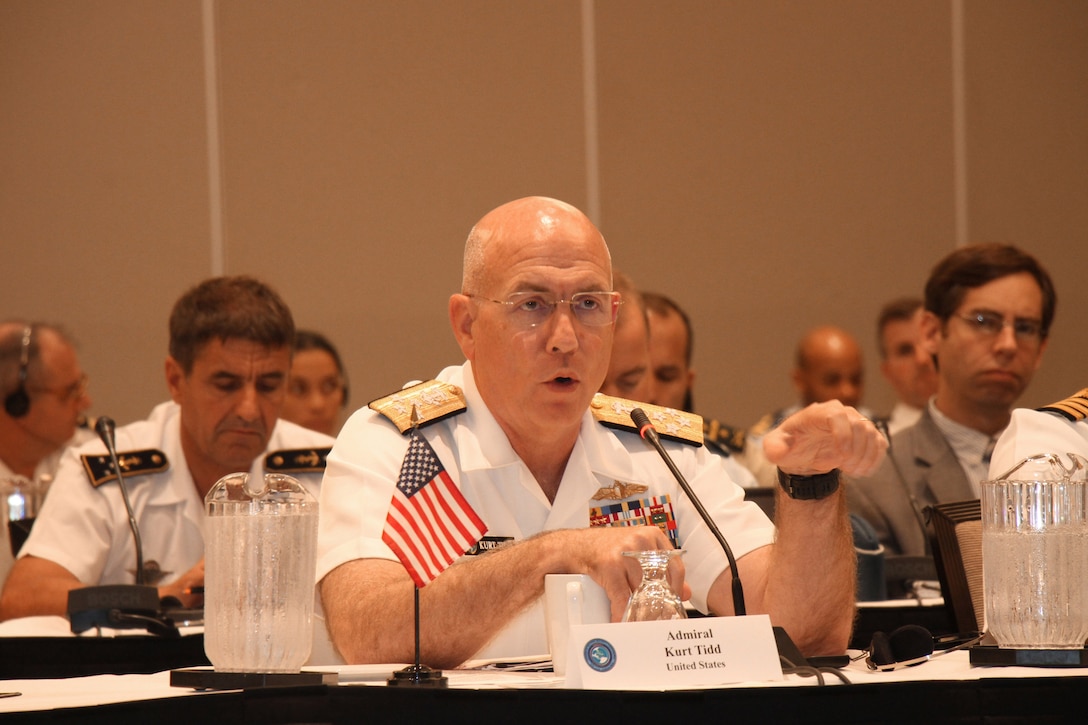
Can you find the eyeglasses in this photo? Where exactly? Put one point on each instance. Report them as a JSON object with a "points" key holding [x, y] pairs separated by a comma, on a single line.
{"points": [[529, 309], [67, 394], [991, 324]]}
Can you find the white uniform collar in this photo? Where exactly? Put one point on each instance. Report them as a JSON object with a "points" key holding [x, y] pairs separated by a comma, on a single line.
{"points": [[166, 418], [482, 444]]}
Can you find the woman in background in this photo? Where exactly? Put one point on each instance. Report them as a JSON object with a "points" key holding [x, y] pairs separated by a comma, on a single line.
{"points": [[318, 388]]}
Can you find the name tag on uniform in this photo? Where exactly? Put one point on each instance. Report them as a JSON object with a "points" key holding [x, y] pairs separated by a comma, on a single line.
{"points": [[672, 655], [486, 544]]}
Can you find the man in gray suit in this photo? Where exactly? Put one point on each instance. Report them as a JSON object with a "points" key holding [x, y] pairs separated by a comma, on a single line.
{"points": [[988, 310]]}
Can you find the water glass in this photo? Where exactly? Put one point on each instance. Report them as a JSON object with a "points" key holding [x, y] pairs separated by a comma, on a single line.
{"points": [[654, 599]]}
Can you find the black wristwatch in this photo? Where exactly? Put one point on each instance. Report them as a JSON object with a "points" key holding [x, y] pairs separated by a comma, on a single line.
{"points": [[809, 488]]}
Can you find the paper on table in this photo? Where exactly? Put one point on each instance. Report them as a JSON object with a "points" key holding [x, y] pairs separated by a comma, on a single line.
{"points": [[55, 626], [51, 626]]}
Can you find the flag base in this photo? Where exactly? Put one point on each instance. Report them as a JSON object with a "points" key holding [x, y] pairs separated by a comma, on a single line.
{"points": [[419, 676]]}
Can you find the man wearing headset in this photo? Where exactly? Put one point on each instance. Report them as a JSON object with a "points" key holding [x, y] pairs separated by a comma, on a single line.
{"points": [[44, 393]]}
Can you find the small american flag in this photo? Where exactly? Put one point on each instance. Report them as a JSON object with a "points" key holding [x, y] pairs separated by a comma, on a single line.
{"points": [[430, 524]]}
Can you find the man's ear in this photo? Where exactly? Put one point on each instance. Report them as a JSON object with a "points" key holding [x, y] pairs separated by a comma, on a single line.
{"points": [[930, 325], [462, 317], [174, 377]]}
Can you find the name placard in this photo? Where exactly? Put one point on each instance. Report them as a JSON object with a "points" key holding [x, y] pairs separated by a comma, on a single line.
{"points": [[672, 655]]}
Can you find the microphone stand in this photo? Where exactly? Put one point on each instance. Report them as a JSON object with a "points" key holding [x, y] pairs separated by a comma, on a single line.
{"points": [[787, 650], [649, 434], [120, 606]]}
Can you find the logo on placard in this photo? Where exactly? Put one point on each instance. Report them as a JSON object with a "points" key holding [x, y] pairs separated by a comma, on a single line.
{"points": [[600, 655]]}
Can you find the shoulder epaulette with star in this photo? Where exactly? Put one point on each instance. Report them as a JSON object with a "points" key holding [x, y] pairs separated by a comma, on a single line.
{"points": [[99, 467], [670, 423], [1073, 408], [433, 401], [297, 460], [728, 437]]}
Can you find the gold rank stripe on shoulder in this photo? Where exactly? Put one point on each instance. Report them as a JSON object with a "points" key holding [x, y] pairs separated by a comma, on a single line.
{"points": [[99, 467], [297, 460], [433, 401], [762, 426], [724, 435], [670, 423], [1074, 407]]}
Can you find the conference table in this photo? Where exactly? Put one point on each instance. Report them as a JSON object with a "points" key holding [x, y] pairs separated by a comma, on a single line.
{"points": [[945, 689]]}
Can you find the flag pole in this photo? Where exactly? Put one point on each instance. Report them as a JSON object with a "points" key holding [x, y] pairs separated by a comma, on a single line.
{"points": [[417, 626], [418, 675]]}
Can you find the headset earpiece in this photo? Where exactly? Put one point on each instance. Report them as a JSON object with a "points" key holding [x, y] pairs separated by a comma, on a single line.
{"points": [[17, 403], [910, 642], [912, 645], [880, 651]]}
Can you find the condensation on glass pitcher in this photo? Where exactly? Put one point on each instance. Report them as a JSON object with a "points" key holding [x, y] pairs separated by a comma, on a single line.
{"points": [[1027, 604], [259, 575]]}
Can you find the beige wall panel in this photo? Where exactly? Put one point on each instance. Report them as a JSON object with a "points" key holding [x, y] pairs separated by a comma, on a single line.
{"points": [[1027, 81], [103, 199], [362, 142], [773, 166]]}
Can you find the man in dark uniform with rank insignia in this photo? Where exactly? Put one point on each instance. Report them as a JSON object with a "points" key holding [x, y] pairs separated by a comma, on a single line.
{"points": [[229, 358], [526, 441]]}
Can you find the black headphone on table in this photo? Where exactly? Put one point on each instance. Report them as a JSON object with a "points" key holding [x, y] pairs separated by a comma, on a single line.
{"points": [[17, 404], [911, 645]]}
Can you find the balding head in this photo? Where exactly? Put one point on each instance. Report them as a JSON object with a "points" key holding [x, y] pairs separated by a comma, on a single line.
{"points": [[56, 390], [536, 361], [828, 367], [521, 221], [11, 350]]}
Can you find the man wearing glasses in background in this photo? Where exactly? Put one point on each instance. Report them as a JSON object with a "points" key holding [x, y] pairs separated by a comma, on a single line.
{"points": [[44, 393], [525, 441], [988, 310]]}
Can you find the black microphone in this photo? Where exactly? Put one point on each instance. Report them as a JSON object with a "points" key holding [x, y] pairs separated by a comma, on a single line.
{"points": [[121, 606], [105, 428], [648, 433]]}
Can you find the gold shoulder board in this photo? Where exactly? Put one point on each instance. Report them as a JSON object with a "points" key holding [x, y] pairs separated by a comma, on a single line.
{"points": [[99, 467], [724, 435], [670, 423], [433, 401], [1074, 407], [762, 426], [297, 460]]}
